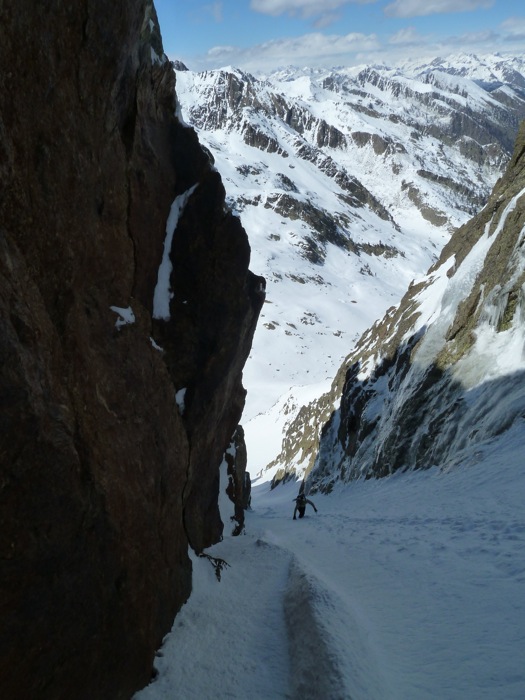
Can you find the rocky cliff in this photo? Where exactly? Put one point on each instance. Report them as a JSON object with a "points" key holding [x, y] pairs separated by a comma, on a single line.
{"points": [[440, 373], [126, 314]]}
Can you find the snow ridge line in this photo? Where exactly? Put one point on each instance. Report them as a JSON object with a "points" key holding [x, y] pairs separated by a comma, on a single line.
{"points": [[315, 669], [330, 648]]}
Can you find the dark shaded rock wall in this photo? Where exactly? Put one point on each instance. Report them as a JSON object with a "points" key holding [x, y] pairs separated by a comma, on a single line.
{"points": [[239, 483], [103, 478]]}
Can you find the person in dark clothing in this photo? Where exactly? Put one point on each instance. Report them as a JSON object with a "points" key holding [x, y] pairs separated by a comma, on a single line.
{"points": [[300, 505]]}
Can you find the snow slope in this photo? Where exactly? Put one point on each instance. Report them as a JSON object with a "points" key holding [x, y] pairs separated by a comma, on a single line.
{"points": [[444, 372], [298, 150], [410, 587]]}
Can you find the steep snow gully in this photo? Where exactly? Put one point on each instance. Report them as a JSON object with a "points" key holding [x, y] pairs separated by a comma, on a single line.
{"points": [[268, 630], [410, 587]]}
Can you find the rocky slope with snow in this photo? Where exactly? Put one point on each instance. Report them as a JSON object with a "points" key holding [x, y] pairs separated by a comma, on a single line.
{"points": [[349, 183], [441, 374], [126, 314]]}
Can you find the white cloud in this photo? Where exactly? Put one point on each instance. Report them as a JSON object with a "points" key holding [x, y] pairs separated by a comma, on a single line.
{"points": [[315, 49], [221, 51], [215, 9], [326, 20], [318, 50], [514, 27], [475, 39], [304, 8], [406, 36], [421, 8]]}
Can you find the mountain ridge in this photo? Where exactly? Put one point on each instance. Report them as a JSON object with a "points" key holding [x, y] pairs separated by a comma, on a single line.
{"points": [[349, 183], [434, 376]]}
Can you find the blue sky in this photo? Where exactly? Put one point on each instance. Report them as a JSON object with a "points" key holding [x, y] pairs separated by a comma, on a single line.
{"points": [[260, 35]]}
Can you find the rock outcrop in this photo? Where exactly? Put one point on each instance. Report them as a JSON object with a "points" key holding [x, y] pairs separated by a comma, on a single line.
{"points": [[239, 483], [113, 423]]}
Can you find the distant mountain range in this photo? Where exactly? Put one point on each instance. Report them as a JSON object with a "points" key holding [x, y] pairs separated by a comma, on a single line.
{"points": [[349, 183]]}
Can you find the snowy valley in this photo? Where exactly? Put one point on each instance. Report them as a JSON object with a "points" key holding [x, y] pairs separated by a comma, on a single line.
{"points": [[349, 183]]}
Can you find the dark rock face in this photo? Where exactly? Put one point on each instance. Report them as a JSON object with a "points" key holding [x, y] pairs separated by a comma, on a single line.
{"points": [[103, 477], [239, 483]]}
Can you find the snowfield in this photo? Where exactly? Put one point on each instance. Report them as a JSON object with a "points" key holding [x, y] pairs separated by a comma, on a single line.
{"points": [[410, 587]]}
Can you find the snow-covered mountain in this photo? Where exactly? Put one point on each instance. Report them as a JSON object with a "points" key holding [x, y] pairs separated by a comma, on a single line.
{"points": [[410, 587], [442, 374], [349, 183]]}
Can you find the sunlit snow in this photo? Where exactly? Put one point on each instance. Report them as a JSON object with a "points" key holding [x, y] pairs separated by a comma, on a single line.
{"points": [[315, 312], [125, 316], [411, 587], [163, 294]]}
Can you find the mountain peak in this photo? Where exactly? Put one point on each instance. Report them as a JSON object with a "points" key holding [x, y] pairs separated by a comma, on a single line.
{"points": [[179, 66]]}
